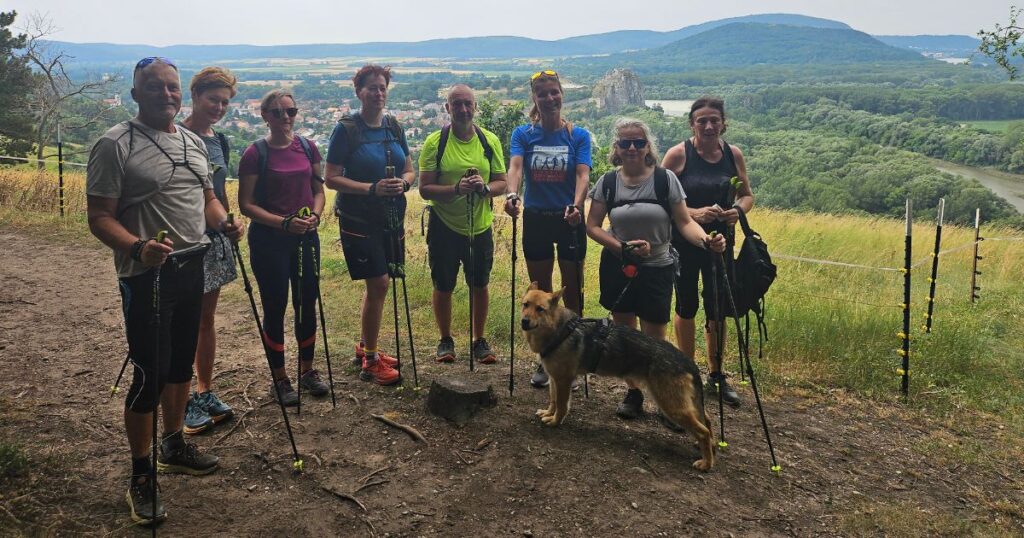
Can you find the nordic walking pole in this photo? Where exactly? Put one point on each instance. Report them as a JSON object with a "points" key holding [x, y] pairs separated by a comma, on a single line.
{"points": [[975, 288], [115, 388], [297, 463], [394, 268], [323, 324], [750, 368], [298, 290], [470, 265], [718, 352], [905, 335], [408, 327], [935, 267], [578, 262], [512, 316], [60, 173], [156, 381]]}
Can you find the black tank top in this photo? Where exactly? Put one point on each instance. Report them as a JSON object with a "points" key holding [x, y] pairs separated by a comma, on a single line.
{"points": [[707, 184]]}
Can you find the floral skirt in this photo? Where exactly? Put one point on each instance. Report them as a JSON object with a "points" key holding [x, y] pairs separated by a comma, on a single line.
{"points": [[219, 262]]}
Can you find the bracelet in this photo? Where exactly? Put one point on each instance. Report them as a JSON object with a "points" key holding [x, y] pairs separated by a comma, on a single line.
{"points": [[135, 252], [373, 189], [487, 190], [315, 214], [287, 220], [406, 186], [512, 196]]}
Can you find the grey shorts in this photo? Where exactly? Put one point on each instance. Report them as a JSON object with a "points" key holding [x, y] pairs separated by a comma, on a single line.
{"points": [[218, 263]]}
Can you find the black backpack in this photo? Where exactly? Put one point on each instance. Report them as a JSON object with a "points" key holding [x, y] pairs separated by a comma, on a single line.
{"points": [[610, 185], [259, 193], [446, 132], [354, 126], [754, 271]]}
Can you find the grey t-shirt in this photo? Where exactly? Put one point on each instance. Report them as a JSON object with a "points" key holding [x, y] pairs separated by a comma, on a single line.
{"points": [[649, 222], [220, 167], [155, 191]]}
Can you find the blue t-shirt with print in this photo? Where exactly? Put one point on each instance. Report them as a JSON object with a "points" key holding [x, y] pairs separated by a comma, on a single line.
{"points": [[366, 164], [549, 164]]}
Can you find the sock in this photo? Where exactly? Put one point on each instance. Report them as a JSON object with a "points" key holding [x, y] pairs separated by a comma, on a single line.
{"points": [[141, 466], [173, 442], [371, 355]]}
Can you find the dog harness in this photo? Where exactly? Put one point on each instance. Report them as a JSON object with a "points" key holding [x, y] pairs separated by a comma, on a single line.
{"points": [[594, 334]]}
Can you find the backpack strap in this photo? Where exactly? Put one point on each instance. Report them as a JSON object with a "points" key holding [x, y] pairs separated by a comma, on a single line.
{"points": [[446, 131], [488, 151], [661, 189], [747, 231], [224, 148], [353, 134], [609, 185], [259, 192]]}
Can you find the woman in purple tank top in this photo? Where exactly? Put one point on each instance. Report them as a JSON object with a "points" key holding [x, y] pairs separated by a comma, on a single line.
{"points": [[706, 165]]}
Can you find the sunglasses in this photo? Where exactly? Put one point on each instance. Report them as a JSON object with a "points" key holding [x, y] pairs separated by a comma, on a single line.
{"points": [[150, 59], [547, 73], [280, 112], [638, 143]]}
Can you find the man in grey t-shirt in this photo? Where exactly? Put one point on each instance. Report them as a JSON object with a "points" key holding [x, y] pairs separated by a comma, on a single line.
{"points": [[146, 176]]}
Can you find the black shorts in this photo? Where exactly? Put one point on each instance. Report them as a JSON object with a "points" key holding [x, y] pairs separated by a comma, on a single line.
{"points": [[542, 230], [649, 296], [371, 253], [696, 263], [447, 250], [181, 299]]}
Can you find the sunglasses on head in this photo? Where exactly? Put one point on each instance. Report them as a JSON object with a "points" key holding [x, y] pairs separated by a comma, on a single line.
{"points": [[547, 72], [280, 112], [150, 59], [638, 143]]}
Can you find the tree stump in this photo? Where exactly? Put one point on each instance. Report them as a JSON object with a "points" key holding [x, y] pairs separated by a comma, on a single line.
{"points": [[458, 399]]}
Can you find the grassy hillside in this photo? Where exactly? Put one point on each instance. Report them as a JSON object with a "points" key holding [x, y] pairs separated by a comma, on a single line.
{"points": [[829, 326]]}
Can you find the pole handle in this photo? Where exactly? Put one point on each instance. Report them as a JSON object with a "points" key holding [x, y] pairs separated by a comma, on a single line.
{"points": [[160, 236]]}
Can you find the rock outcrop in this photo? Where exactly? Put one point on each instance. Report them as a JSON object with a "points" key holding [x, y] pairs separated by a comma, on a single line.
{"points": [[618, 89]]}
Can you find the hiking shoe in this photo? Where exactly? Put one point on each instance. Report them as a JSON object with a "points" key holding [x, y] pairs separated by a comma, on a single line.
{"points": [[218, 410], [716, 381], [289, 397], [445, 350], [186, 459], [379, 372], [360, 355], [482, 352], [632, 406], [197, 420], [540, 377], [140, 501], [312, 382]]}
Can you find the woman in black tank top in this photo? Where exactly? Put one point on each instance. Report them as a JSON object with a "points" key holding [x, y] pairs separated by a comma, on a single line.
{"points": [[705, 165]]}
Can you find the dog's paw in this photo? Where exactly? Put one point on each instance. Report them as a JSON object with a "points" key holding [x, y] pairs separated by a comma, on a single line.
{"points": [[702, 465], [550, 420], [543, 413]]}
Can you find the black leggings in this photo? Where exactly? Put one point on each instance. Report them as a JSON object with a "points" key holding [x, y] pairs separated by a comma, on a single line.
{"points": [[696, 263], [274, 257]]}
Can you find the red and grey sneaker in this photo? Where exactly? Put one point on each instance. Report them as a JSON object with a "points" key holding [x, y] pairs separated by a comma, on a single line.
{"points": [[379, 372], [360, 355], [482, 352]]}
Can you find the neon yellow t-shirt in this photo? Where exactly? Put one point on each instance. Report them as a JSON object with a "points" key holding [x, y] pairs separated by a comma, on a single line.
{"points": [[458, 157]]}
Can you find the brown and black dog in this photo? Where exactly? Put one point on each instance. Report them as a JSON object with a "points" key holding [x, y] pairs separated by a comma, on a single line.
{"points": [[569, 345]]}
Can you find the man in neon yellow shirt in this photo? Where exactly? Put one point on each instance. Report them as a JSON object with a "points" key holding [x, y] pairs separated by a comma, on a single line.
{"points": [[449, 183]]}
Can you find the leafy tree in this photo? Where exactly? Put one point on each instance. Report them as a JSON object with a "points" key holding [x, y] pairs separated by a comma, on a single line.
{"points": [[15, 87], [1004, 42], [500, 119]]}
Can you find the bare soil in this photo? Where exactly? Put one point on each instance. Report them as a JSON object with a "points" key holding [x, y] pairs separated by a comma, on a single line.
{"points": [[849, 466]]}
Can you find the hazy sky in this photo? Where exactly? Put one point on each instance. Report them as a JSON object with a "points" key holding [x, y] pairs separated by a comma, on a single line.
{"points": [[260, 22]]}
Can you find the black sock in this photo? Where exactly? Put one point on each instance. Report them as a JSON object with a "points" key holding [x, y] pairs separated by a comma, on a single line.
{"points": [[173, 441], [141, 466]]}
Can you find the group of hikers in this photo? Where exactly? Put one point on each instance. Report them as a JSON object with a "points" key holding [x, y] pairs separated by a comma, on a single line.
{"points": [[156, 197]]}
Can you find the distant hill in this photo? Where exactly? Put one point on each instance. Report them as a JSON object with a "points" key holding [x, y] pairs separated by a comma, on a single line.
{"points": [[501, 47], [742, 44], [958, 46]]}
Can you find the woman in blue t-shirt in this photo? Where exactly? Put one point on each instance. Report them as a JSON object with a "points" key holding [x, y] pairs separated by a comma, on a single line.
{"points": [[550, 158], [368, 163]]}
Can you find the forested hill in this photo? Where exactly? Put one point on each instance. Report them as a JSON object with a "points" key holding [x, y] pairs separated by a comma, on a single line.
{"points": [[463, 47], [742, 44]]}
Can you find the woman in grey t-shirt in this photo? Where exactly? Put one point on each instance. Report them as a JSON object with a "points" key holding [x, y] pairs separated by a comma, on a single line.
{"points": [[637, 262]]}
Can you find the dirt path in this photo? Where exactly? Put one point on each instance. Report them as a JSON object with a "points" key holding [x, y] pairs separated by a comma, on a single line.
{"points": [[849, 467]]}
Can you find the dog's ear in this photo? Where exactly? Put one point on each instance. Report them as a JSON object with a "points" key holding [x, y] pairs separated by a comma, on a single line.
{"points": [[553, 299], [533, 286]]}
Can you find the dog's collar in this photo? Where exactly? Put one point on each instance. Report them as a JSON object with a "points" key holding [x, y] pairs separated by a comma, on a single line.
{"points": [[561, 336]]}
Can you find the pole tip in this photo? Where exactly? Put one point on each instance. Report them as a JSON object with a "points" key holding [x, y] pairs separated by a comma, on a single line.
{"points": [[298, 465], [723, 444], [776, 468]]}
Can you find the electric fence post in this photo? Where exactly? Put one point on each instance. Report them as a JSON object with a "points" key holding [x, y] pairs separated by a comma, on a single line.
{"points": [[60, 169], [905, 335], [975, 288], [935, 266]]}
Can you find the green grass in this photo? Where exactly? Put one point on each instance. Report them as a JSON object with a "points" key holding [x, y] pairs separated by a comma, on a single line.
{"points": [[829, 327], [12, 460], [993, 126]]}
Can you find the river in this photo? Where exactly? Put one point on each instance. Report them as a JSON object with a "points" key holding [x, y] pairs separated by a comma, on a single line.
{"points": [[677, 108], [1009, 187]]}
